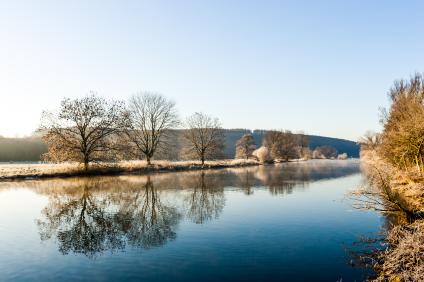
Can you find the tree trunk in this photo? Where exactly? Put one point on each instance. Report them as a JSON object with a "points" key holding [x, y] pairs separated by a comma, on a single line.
{"points": [[85, 165], [203, 160], [149, 162]]}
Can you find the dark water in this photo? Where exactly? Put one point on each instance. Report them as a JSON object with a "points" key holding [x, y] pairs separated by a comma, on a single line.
{"points": [[287, 222]]}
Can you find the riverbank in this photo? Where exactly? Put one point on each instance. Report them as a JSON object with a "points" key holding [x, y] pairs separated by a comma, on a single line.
{"points": [[403, 259], [10, 172], [404, 187]]}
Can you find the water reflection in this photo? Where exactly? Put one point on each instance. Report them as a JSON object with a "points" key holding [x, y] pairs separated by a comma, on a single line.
{"points": [[145, 220], [92, 215], [206, 199], [79, 221]]}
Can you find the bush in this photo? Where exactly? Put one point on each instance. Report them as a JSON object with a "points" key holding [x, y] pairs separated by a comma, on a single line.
{"points": [[262, 154]]}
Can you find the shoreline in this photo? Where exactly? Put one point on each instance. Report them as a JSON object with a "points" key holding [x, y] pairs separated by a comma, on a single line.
{"points": [[38, 171], [402, 258], [403, 187], [16, 172]]}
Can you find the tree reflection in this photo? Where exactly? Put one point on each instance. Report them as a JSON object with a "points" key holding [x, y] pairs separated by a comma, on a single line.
{"points": [[93, 218], [93, 215], [146, 221], [80, 223], [207, 200], [281, 182], [246, 181]]}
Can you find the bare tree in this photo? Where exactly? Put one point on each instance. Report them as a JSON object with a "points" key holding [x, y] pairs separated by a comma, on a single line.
{"points": [[82, 130], [303, 150], [245, 147], [324, 152], [148, 123], [204, 137], [282, 144]]}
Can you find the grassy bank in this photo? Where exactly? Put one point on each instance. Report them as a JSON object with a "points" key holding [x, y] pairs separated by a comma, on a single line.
{"points": [[31, 171], [403, 187], [403, 259]]}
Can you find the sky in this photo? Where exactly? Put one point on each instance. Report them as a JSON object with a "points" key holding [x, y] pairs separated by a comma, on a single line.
{"points": [[321, 67]]}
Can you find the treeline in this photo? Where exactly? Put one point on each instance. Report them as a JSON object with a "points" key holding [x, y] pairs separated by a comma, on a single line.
{"points": [[21, 149], [30, 149], [341, 146], [93, 129], [148, 127]]}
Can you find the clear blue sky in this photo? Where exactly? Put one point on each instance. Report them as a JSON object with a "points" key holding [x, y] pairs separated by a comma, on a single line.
{"points": [[323, 67]]}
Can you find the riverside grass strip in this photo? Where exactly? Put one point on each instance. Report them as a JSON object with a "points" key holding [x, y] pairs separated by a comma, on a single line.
{"points": [[10, 172]]}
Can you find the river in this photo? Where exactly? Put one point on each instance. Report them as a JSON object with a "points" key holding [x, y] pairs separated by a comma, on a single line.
{"points": [[285, 222]]}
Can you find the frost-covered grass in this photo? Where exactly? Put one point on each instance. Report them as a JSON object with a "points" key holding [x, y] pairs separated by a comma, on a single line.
{"points": [[407, 185], [404, 259], [17, 171]]}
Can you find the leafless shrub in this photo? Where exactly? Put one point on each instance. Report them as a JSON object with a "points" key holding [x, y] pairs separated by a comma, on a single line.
{"points": [[324, 152], [376, 193], [262, 154]]}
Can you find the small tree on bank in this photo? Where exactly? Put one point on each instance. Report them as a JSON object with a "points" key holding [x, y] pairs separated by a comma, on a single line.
{"points": [[282, 144], [245, 147], [82, 130], [204, 137], [148, 121], [324, 152], [303, 150]]}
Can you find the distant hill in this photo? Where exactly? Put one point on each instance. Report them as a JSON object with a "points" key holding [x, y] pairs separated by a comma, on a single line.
{"points": [[21, 149], [342, 146], [31, 148]]}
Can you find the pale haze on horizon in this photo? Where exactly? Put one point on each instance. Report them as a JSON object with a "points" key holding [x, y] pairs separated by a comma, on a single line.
{"points": [[320, 67]]}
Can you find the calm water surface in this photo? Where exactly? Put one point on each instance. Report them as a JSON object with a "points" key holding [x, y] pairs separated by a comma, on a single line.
{"points": [[289, 222]]}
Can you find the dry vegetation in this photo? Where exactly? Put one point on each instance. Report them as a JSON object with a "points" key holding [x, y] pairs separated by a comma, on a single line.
{"points": [[392, 190], [393, 161], [404, 260], [403, 187], [19, 171]]}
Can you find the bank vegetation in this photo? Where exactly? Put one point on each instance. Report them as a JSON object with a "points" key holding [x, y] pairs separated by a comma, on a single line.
{"points": [[394, 163]]}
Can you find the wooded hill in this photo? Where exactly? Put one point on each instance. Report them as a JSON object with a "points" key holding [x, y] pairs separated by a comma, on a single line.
{"points": [[31, 148]]}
